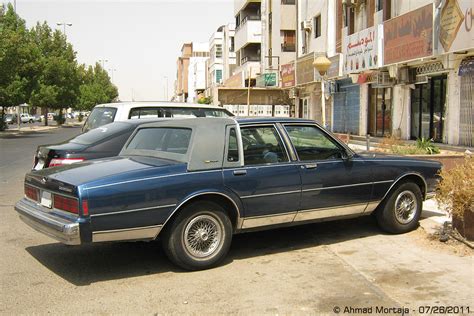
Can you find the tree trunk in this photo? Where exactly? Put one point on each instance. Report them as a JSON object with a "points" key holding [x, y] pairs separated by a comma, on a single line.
{"points": [[45, 113]]}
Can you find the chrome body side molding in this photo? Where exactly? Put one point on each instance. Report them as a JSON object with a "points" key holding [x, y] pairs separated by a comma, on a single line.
{"points": [[135, 233], [308, 215], [267, 220]]}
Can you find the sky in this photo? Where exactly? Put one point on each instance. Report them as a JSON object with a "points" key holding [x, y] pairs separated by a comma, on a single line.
{"points": [[140, 39]]}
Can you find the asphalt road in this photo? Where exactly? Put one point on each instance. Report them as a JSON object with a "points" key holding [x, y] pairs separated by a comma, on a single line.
{"points": [[310, 269]]}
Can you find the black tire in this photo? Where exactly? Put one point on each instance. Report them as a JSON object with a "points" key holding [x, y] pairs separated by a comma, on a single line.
{"points": [[406, 219], [215, 240]]}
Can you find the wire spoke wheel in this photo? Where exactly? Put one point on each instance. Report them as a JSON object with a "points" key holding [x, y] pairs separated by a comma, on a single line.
{"points": [[406, 207], [203, 236]]}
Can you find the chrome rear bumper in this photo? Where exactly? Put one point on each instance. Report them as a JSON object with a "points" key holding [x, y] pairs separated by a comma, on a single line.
{"points": [[62, 229]]}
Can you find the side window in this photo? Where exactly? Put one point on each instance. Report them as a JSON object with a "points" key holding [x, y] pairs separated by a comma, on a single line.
{"points": [[313, 144], [233, 151], [262, 145], [138, 113]]}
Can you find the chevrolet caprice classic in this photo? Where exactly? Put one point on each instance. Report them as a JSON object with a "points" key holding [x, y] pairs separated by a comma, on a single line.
{"points": [[196, 182]]}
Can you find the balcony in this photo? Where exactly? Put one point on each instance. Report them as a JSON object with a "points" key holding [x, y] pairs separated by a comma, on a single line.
{"points": [[248, 32], [247, 59]]}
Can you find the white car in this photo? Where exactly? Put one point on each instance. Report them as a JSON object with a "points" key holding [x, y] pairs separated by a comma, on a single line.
{"points": [[26, 118], [112, 112]]}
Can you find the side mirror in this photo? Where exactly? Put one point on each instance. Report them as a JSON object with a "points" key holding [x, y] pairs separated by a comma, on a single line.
{"points": [[346, 155]]}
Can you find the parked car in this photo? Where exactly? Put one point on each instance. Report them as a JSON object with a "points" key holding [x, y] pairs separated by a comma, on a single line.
{"points": [[26, 118], [107, 113], [11, 118], [196, 182], [51, 116], [37, 118], [105, 141]]}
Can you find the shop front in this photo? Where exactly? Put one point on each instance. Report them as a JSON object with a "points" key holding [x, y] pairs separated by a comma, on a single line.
{"points": [[380, 111], [346, 107], [308, 87], [428, 107]]}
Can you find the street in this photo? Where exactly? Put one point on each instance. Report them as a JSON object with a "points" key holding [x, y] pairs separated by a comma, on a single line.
{"points": [[310, 269]]}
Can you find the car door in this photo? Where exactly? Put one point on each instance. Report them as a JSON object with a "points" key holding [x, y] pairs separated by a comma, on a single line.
{"points": [[332, 183], [267, 182]]}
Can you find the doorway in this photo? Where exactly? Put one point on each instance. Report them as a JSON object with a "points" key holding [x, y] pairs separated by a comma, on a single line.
{"points": [[380, 112], [428, 109]]}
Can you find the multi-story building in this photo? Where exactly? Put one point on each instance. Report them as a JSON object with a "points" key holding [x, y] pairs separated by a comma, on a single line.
{"points": [[197, 71], [182, 66], [407, 64], [228, 51]]}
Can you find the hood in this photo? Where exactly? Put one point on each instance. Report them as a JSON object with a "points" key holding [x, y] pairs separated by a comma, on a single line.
{"points": [[101, 170]]}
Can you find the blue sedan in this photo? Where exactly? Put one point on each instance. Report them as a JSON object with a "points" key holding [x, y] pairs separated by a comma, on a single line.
{"points": [[196, 182]]}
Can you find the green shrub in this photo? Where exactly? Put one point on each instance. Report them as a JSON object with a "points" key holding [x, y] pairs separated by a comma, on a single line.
{"points": [[427, 145]]}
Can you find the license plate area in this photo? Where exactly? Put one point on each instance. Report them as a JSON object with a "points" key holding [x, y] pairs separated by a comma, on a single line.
{"points": [[46, 199]]}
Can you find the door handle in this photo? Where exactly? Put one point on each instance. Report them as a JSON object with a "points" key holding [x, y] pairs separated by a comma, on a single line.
{"points": [[311, 166], [240, 172]]}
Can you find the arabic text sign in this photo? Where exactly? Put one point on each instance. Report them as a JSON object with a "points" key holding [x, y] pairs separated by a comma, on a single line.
{"points": [[409, 36], [288, 75], [360, 51], [456, 21]]}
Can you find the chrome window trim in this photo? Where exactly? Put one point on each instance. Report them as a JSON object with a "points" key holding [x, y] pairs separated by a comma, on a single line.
{"points": [[270, 194], [150, 178], [133, 210], [133, 233], [266, 124], [287, 140]]}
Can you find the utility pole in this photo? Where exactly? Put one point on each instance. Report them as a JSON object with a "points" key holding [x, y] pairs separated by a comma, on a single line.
{"points": [[166, 92], [102, 62], [112, 72]]}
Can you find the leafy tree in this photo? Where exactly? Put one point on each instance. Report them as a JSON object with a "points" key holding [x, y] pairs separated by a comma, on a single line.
{"points": [[57, 82], [18, 56], [96, 87]]}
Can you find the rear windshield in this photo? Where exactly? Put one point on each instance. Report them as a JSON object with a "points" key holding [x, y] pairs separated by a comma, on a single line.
{"points": [[98, 134], [162, 139], [154, 112], [100, 116]]}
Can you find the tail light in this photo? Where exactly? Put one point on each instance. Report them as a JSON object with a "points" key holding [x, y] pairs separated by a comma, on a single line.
{"points": [[67, 204], [85, 208], [32, 193], [64, 161]]}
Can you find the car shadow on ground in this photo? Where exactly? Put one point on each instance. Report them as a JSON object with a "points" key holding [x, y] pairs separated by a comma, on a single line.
{"points": [[109, 261]]}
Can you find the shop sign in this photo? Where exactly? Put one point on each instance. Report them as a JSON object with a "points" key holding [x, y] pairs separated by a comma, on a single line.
{"points": [[288, 79], [305, 70], [409, 36], [455, 26], [234, 81], [335, 68], [360, 51], [266, 80]]}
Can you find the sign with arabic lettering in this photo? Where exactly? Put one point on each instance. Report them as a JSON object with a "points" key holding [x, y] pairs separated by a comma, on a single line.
{"points": [[360, 51], [266, 80], [288, 79], [409, 36], [455, 25]]}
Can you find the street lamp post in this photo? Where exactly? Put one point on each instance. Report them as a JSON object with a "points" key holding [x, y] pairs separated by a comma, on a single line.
{"points": [[102, 62], [166, 92], [322, 64], [112, 70], [64, 24]]}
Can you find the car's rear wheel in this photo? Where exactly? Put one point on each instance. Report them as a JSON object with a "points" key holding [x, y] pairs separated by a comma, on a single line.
{"points": [[401, 211], [199, 237]]}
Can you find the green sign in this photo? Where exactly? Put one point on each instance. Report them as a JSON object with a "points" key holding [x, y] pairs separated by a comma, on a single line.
{"points": [[267, 80]]}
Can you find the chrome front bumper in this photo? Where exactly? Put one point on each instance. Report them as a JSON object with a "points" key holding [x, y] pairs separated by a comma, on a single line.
{"points": [[62, 229]]}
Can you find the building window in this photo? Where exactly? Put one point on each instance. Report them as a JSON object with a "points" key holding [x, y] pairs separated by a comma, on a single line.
{"points": [[288, 40], [291, 2], [232, 44], [317, 26], [218, 76], [218, 50]]}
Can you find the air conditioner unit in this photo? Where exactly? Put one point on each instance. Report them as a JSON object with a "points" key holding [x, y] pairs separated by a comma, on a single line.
{"points": [[383, 79], [421, 79], [406, 75], [306, 25]]}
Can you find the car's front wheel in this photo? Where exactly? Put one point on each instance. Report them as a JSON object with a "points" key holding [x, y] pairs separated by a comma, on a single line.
{"points": [[199, 237], [401, 211]]}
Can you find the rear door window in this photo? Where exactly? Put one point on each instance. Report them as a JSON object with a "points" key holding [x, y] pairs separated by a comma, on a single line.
{"points": [[165, 139], [99, 117]]}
